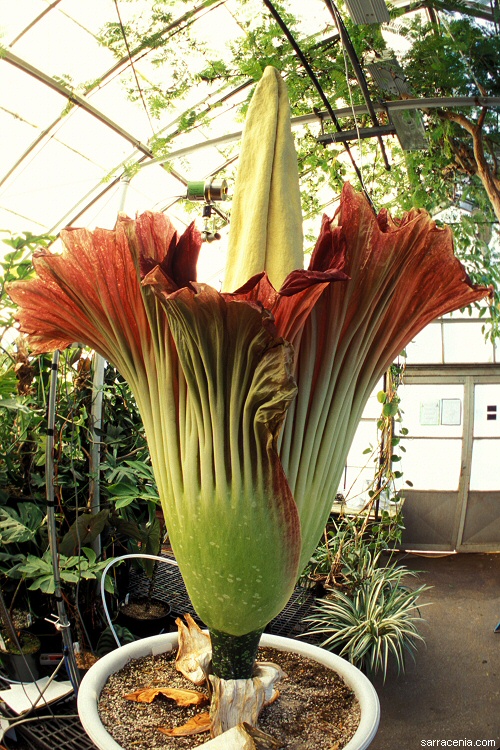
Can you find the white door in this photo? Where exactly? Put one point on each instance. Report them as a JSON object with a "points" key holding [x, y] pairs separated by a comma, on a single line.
{"points": [[452, 460]]}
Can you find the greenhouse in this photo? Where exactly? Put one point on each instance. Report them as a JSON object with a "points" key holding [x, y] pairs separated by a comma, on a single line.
{"points": [[249, 374]]}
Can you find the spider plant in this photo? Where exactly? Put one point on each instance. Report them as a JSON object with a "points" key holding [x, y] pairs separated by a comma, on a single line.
{"points": [[376, 620]]}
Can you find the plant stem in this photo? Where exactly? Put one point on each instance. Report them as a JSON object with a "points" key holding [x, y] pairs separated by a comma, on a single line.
{"points": [[233, 656], [6, 624], [152, 585]]}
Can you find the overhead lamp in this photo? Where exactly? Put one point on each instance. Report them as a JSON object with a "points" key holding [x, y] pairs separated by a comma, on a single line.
{"points": [[368, 11], [388, 74], [467, 205], [410, 129]]}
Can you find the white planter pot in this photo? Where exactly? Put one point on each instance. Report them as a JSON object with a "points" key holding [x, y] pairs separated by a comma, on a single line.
{"points": [[95, 679]]}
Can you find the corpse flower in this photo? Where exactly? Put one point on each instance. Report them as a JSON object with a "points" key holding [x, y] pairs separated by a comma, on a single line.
{"points": [[402, 274], [250, 397]]}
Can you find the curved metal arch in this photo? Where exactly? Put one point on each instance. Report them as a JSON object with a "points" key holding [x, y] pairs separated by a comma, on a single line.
{"points": [[406, 104], [472, 8], [81, 101], [145, 154], [74, 98]]}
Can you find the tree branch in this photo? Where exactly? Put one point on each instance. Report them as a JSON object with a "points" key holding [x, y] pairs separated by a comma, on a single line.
{"points": [[482, 118], [484, 170], [459, 119]]}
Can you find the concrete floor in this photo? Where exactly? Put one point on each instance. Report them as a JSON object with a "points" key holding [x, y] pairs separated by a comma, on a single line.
{"points": [[452, 691]]}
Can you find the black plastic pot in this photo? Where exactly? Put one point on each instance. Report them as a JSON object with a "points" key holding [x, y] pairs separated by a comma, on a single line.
{"points": [[23, 667], [145, 617]]}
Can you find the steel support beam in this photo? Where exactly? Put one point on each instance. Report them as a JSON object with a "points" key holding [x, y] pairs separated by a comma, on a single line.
{"points": [[354, 135], [75, 99]]}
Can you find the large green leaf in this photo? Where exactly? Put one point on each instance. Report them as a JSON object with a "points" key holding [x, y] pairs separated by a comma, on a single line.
{"points": [[21, 525], [84, 530]]}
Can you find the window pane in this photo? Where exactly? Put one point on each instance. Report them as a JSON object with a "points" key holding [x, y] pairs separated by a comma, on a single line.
{"points": [[355, 485], [366, 436], [464, 342], [373, 408], [485, 470], [432, 464], [432, 410], [426, 347]]}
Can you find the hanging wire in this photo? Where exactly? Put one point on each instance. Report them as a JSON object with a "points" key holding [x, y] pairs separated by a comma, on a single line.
{"points": [[319, 89], [374, 165], [347, 46], [76, 497], [129, 55], [137, 53], [351, 102], [190, 17]]}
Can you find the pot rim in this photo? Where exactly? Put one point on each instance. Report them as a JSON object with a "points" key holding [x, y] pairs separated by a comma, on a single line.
{"points": [[95, 679]]}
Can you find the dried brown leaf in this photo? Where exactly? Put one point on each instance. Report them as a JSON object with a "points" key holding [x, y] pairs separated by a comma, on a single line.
{"points": [[195, 651], [196, 724]]}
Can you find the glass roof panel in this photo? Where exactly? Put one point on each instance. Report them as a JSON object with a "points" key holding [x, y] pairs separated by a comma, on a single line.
{"points": [[30, 99], [70, 166], [102, 213], [85, 134], [63, 39], [62, 48], [21, 135], [151, 188], [16, 16], [56, 177], [91, 14], [10, 221], [111, 99]]}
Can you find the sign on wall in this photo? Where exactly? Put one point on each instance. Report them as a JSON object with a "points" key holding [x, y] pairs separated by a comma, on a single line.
{"points": [[445, 411]]}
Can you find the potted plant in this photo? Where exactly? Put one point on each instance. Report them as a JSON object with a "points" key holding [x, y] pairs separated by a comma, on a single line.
{"points": [[370, 617], [101, 733], [144, 615], [18, 647], [250, 397]]}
